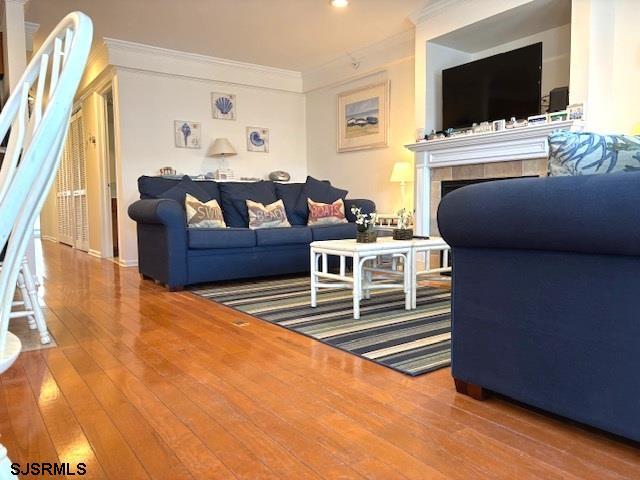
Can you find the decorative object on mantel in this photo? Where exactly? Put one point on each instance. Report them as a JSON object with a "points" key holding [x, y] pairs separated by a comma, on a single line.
{"points": [[187, 134], [402, 173], [279, 176], [222, 148], [403, 231], [257, 139], [365, 223], [363, 118], [223, 106], [167, 171]]}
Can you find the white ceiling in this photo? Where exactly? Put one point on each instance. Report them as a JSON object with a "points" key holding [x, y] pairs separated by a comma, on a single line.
{"points": [[292, 34], [519, 22]]}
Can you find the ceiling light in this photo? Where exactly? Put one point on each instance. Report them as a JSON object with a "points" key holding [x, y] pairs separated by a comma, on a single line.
{"points": [[339, 3]]}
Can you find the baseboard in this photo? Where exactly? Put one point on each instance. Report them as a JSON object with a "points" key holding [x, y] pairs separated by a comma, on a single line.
{"points": [[95, 253], [49, 238], [127, 263]]}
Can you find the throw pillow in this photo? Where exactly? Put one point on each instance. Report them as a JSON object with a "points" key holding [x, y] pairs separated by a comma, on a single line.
{"points": [[203, 215], [326, 213], [185, 186], [235, 194], [289, 193], [583, 153], [267, 216], [318, 191]]}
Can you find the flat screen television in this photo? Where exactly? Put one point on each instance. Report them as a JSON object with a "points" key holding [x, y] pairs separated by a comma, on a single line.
{"points": [[493, 88]]}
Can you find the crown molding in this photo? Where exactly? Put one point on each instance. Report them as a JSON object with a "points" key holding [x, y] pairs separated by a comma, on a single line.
{"points": [[431, 8], [369, 59], [31, 28], [18, 2]]}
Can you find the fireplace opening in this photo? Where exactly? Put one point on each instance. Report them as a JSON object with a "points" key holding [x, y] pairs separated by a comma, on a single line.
{"points": [[448, 186]]}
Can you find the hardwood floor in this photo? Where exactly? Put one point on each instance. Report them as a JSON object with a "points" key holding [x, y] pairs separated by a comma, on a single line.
{"points": [[151, 384]]}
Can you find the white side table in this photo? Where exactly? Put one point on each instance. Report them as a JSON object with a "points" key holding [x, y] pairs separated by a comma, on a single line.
{"points": [[362, 280]]}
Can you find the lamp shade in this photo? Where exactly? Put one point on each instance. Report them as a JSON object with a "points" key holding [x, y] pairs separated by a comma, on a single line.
{"points": [[402, 172], [221, 147]]}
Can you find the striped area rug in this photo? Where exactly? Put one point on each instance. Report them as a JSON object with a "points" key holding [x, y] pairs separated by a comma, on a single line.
{"points": [[413, 342]]}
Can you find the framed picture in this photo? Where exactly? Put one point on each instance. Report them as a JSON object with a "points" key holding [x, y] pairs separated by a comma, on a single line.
{"points": [[363, 118], [257, 139], [187, 134], [223, 106]]}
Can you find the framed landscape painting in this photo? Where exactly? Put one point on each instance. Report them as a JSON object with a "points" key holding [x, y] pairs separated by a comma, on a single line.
{"points": [[363, 118]]}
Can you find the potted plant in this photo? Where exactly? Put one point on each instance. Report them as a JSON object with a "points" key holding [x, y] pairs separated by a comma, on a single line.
{"points": [[365, 223], [403, 232]]}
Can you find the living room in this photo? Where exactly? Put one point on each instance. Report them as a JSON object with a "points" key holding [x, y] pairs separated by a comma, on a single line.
{"points": [[320, 239]]}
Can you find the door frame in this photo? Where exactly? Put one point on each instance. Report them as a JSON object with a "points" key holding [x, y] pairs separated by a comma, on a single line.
{"points": [[106, 242]]}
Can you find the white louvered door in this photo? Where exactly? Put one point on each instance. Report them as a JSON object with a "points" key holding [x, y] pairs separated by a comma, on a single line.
{"points": [[73, 223]]}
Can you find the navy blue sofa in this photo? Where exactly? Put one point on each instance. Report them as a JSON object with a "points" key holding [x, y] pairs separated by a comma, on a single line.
{"points": [[546, 294], [175, 255]]}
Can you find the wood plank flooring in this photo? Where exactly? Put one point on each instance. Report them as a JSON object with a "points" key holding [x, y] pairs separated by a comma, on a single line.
{"points": [[151, 384]]}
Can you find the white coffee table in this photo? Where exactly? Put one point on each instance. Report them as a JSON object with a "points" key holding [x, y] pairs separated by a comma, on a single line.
{"points": [[361, 282]]}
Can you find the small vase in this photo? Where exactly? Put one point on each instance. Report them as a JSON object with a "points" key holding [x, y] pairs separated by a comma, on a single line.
{"points": [[368, 236], [402, 233]]}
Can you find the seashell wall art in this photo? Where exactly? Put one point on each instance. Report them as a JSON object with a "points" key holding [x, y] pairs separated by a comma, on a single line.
{"points": [[223, 106], [257, 139]]}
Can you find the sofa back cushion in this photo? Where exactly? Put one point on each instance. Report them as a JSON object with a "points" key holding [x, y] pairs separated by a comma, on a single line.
{"points": [[318, 191], [289, 194], [203, 214], [584, 153], [154, 187], [267, 216], [185, 186], [326, 213], [235, 194]]}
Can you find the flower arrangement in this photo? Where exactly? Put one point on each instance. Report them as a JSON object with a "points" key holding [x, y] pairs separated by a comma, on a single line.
{"points": [[403, 231], [365, 223]]}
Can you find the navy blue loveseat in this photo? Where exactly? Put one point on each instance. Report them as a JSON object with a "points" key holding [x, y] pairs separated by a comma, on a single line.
{"points": [[546, 294], [175, 255]]}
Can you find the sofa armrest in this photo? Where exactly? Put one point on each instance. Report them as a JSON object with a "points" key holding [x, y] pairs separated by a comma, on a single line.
{"points": [[162, 211], [367, 206], [595, 214]]}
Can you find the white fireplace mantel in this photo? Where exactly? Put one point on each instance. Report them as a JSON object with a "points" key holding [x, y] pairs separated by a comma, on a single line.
{"points": [[521, 143]]}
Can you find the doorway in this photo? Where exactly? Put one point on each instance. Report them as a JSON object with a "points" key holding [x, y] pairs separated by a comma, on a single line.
{"points": [[112, 190]]}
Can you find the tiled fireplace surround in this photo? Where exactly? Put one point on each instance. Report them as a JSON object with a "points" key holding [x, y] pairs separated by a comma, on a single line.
{"points": [[513, 168]]}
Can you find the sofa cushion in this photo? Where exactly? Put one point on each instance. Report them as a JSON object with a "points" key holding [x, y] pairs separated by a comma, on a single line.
{"points": [[289, 194], [283, 236], [179, 191], [211, 187], [203, 214], [584, 153], [333, 232], [234, 195], [267, 216], [154, 187], [318, 191], [202, 238]]}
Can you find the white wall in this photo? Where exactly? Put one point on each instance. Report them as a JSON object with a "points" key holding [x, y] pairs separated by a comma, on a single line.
{"points": [[148, 104], [364, 173]]}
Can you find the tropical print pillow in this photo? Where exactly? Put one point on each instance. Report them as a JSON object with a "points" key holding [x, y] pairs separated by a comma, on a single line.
{"points": [[267, 216], [326, 213], [583, 153], [203, 214]]}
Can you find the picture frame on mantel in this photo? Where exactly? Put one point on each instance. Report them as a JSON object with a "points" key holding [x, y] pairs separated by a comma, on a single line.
{"points": [[363, 118]]}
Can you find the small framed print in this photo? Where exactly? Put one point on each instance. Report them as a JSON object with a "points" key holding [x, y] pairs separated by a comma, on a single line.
{"points": [[257, 139], [187, 134], [223, 106]]}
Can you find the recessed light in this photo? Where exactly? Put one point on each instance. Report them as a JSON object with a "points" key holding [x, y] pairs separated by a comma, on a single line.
{"points": [[339, 3]]}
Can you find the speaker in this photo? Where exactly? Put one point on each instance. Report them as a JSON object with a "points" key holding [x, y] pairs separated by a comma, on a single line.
{"points": [[558, 99]]}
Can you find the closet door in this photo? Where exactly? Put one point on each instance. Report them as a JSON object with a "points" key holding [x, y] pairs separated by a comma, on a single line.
{"points": [[72, 189]]}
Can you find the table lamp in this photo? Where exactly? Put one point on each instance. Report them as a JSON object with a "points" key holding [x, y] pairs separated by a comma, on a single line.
{"points": [[402, 173], [222, 147]]}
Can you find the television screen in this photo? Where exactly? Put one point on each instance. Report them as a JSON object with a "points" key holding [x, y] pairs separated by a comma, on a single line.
{"points": [[494, 88]]}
